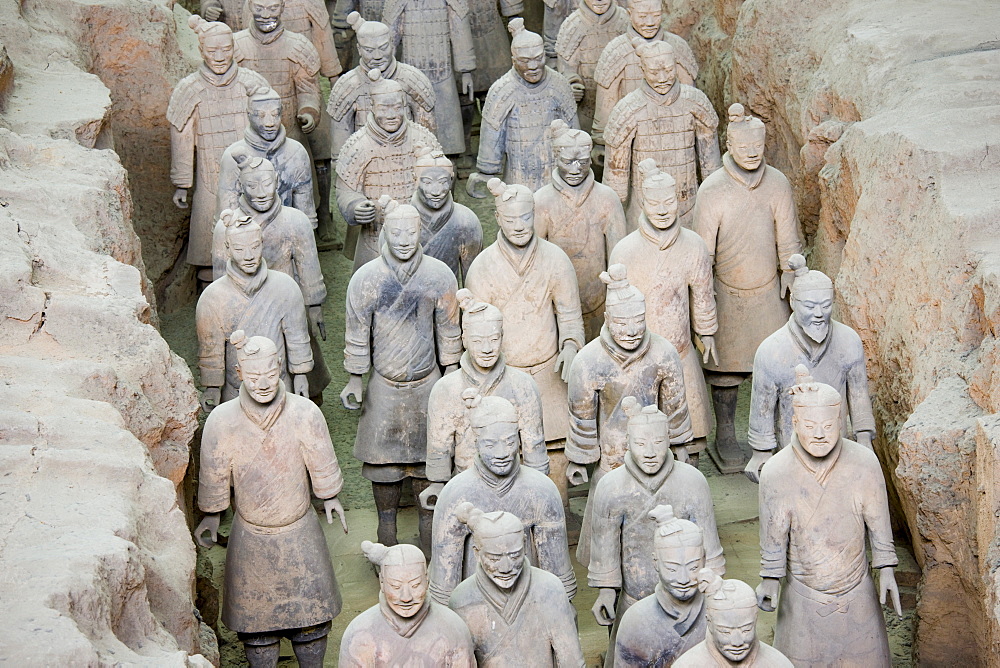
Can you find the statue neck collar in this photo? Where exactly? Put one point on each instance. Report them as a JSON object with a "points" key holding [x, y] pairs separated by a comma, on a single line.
{"points": [[248, 285], [499, 484], [506, 602], [263, 218], [266, 37], [650, 482], [263, 415], [749, 179], [624, 358], [223, 79], [403, 626], [663, 239], [254, 140]]}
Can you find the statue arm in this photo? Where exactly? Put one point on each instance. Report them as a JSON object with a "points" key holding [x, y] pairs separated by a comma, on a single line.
{"points": [[564, 636], [220, 256], [566, 299], [295, 328], [618, 161], [215, 472], [347, 199], [305, 74], [509, 8], [615, 228], [305, 257], [774, 529], [463, 53], [341, 130], [786, 223], [320, 457], [357, 328], [705, 222], [704, 517], [605, 98], [182, 147], [552, 545], [859, 401], [302, 190], [228, 193], [447, 549], [447, 330], [673, 400], [605, 568], [492, 144], [441, 435], [875, 508], [704, 314], [211, 344], [583, 445], [706, 139], [529, 419], [471, 249], [763, 406], [322, 39]]}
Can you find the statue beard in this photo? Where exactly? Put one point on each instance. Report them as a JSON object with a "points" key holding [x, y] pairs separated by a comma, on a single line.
{"points": [[817, 331]]}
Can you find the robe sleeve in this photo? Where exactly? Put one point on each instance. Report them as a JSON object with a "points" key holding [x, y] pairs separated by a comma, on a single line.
{"points": [[320, 458], [447, 548], [358, 327], [182, 145], [763, 406], [529, 424], [786, 223], [463, 54], [347, 199], [441, 434], [618, 162], [704, 316], [707, 220], [492, 142], [305, 75], [472, 247], [605, 98], [211, 343], [215, 472], [703, 514], [582, 443], [615, 229], [322, 39], [564, 636], [305, 257], [774, 525], [859, 402], [447, 330], [566, 299], [295, 328], [875, 509], [302, 186], [605, 569], [706, 139], [551, 541], [341, 130], [220, 255], [673, 400], [228, 194]]}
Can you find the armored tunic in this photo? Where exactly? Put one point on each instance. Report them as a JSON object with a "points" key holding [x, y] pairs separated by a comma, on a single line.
{"points": [[653, 633], [491, 39], [705, 655], [535, 289], [278, 569], [750, 227], [437, 40], [814, 518], [372, 163], [207, 113], [452, 234], [673, 270], [451, 443], [516, 117], [677, 130], [311, 19], [581, 41], [526, 493]]}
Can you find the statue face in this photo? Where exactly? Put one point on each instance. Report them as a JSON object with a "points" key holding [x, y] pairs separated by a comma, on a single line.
{"points": [[746, 148], [573, 164], [645, 16], [649, 446], [502, 558], [733, 632], [530, 64], [217, 52], [266, 14], [265, 119], [376, 51], [660, 72], [817, 428], [404, 587], [599, 7], [246, 248], [260, 188], [482, 340], [627, 324], [812, 310], [403, 237], [389, 111], [498, 446], [678, 566], [261, 375], [517, 222], [660, 206], [434, 187]]}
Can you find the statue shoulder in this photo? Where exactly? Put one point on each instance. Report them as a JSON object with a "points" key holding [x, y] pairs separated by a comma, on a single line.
{"points": [[571, 35], [244, 44], [622, 118], [416, 84], [500, 99], [344, 94], [561, 89], [302, 52], [697, 98], [354, 155], [185, 98], [460, 7], [419, 135], [612, 60]]}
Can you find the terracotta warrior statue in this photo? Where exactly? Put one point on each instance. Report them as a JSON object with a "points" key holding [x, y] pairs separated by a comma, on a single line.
{"points": [[402, 325], [660, 627], [254, 298], [207, 113], [533, 283], [830, 350], [265, 138], [289, 247], [820, 498], [405, 628], [618, 71], [518, 111], [667, 121], [731, 640], [274, 449], [515, 611], [377, 160], [434, 36], [582, 39], [621, 542], [497, 480], [451, 443], [581, 216], [671, 265], [745, 212]]}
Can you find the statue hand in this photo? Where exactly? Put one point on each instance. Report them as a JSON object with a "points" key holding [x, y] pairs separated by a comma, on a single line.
{"points": [[604, 607], [887, 584], [864, 438], [787, 278], [316, 320], [767, 594], [576, 474], [307, 121], [332, 506], [365, 213], [708, 343], [212, 11], [757, 461], [578, 90], [181, 198], [597, 155], [300, 385], [209, 523], [433, 491], [352, 389], [565, 360], [475, 180], [210, 398], [467, 88]]}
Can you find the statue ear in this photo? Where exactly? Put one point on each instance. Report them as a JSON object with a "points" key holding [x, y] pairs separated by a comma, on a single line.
{"points": [[239, 372]]}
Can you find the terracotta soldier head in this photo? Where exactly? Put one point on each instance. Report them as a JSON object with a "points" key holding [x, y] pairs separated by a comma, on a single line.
{"points": [[624, 308], [482, 330], [258, 365], [812, 299], [494, 422], [815, 414], [498, 541], [648, 436], [745, 138], [645, 16], [435, 176], [515, 211], [266, 14], [571, 152], [244, 241], [679, 552], [402, 576], [659, 67], [527, 52], [659, 195], [215, 42], [600, 7], [264, 113], [258, 181], [401, 230], [375, 47], [388, 102], [731, 611]]}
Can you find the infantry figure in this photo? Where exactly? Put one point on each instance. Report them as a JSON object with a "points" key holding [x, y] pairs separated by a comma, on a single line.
{"points": [[671, 265], [405, 627], [665, 120], [289, 247], [254, 298], [830, 350], [621, 542], [497, 480], [451, 443], [582, 39], [581, 216], [402, 325], [731, 640], [378, 160], [670, 621], [745, 212], [207, 113], [533, 283], [269, 444], [820, 498], [516, 612], [434, 36], [518, 111]]}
